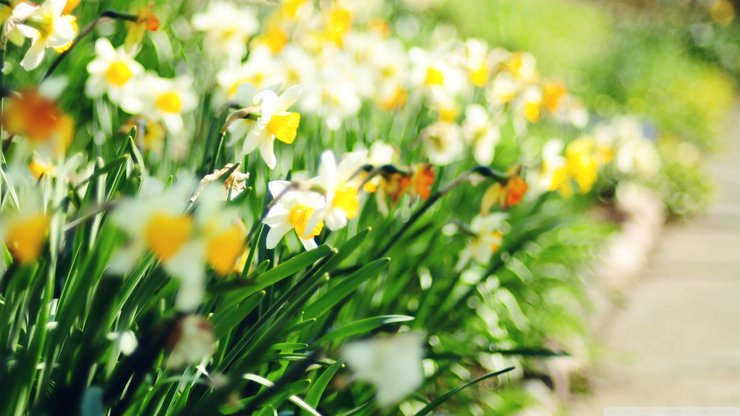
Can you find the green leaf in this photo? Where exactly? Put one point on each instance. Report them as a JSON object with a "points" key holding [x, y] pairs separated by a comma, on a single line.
{"points": [[345, 288], [363, 326], [287, 269], [319, 386], [441, 399]]}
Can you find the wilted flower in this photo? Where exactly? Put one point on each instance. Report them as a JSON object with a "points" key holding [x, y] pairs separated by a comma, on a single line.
{"points": [[233, 185], [392, 364]]}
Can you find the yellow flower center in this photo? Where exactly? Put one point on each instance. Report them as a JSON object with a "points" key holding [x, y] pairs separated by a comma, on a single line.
{"points": [[298, 217], [532, 111], [165, 234], [284, 126], [275, 39], [118, 73], [290, 8], [25, 238], [434, 77], [346, 199], [479, 76], [39, 169], [169, 102], [338, 23], [224, 249]]}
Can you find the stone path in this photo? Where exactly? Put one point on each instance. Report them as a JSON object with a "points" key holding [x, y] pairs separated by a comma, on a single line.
{"points": [[676, 341]]}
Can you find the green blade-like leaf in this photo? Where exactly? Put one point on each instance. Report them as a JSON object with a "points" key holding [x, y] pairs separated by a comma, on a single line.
{"points": [[441, 399], [362, 326]]}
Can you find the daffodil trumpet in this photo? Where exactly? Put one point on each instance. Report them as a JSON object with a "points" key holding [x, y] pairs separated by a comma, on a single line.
{"points": [[107, 14]]}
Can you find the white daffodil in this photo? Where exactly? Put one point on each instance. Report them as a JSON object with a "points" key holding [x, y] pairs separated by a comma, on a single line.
{"points": [[432, 71], [476, 62], [381, 153], [292, 211], [221, 229], [191, 341], [554, 171], [46, 26], [156, 221], [481, 132], [275, 122], [161, 99], [392, 364], [332, 96], [529, 105], [112, 72], [339, 183], [503, 89], [442, 142], [488, 234], [260, 71], [227, 28]]}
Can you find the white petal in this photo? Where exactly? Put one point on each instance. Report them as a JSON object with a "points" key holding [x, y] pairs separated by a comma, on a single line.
{"points": [[268, 153], [274, 235], [34, 56]]}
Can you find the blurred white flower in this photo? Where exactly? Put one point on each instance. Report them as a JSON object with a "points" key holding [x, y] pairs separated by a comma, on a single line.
{"points": [[488, 235], [112, 72], [481, 132], [157, 221], [227, 28], [162, 99], [442, 142], [125, 341], [392, 364], [191, 341]]}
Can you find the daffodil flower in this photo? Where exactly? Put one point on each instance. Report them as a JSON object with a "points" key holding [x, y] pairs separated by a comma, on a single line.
{"points": [[442, 142], [392, 364], [112, 72], [481, 132], [46, 26], [227, 28], [339, 183], [292, 211], [274, 122], [488, 235], [161, 99], [156, 221]]}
